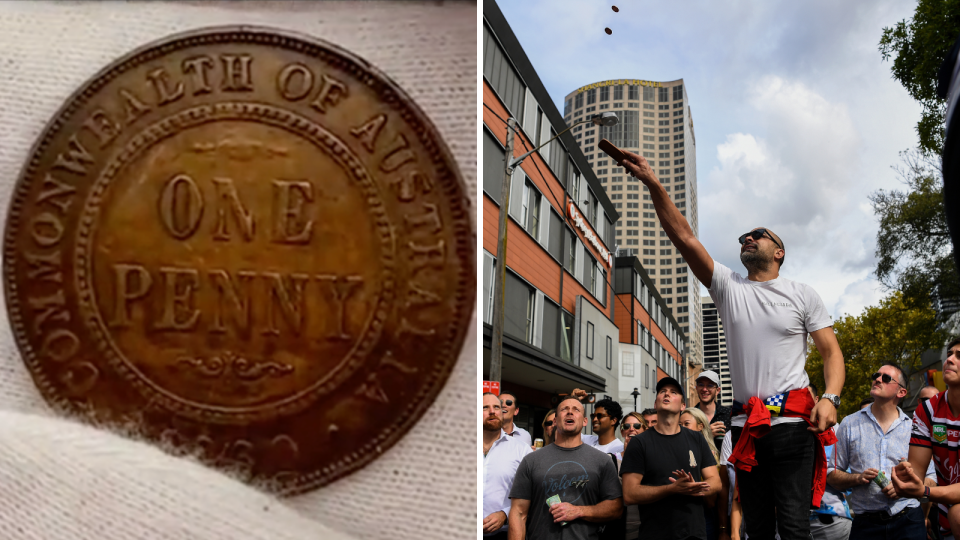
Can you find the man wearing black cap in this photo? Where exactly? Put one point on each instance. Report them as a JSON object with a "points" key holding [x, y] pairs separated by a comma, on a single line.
{"points": [[668, 470]]}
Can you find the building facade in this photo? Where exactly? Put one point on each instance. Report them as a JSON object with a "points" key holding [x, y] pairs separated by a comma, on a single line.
{"points": [[652, 344], [656, 122], [715, 348], [559, 331]]}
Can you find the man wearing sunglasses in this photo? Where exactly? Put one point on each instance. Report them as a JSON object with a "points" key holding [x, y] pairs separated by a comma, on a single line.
{"points": [[872, 441], [777, 430], [606, 415], [510, 410]]}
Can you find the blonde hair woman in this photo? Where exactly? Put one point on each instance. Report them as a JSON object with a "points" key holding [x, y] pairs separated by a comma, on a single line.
{"points": [[549, 429], [693, 418]]}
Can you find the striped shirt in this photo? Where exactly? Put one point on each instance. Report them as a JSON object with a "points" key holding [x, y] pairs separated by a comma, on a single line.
{"points": [[935, 427]]}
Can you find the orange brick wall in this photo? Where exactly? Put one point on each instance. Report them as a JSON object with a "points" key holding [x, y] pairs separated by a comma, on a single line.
{"points": [[524, 254]]}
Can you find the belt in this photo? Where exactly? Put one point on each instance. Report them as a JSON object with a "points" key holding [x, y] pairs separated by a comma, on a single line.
{"points": [[774, 404], [882, 516]]}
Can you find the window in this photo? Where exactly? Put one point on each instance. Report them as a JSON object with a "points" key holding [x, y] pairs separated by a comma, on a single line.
{"points": [[493, 156], [678, 92], [664, 94], [566, 336], [589, 340], [488, 271], [531, 210], [591, 96], [628, 365], [646, 375], [578, 101], [567, 105], [518, 309], [531, 309], [618, 92], [633, 92], [648, 94], [549, 324], [570, 246], [609, 353], [499, 72], [605, 93]]}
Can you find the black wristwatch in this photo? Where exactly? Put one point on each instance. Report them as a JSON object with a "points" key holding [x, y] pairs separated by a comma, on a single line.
{"points": [[832, 399]]}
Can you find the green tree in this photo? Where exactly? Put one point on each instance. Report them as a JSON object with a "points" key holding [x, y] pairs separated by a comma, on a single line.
{"points": [[914, 251], [920, 44], [892, 332]]}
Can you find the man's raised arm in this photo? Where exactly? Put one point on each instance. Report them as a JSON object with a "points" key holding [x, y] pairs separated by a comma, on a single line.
{"points": [[672, 221]]}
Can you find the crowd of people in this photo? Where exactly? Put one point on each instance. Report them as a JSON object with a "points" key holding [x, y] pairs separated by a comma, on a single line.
{"points": [[775, 464]]}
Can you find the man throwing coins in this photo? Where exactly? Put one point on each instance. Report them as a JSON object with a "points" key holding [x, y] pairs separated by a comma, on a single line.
{"points": [[778, 432]]}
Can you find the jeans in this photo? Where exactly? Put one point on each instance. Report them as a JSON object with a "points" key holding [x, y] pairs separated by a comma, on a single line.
{"points": [[776, 493], [839, 529], [908, 525]]}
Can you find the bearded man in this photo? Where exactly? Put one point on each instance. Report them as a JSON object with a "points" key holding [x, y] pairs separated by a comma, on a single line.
{"points": [[777, 430], [502, 455]]}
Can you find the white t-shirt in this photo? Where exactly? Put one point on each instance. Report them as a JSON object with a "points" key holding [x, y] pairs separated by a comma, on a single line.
{"points": [[613, 447], [766, 325], [521, 434]]}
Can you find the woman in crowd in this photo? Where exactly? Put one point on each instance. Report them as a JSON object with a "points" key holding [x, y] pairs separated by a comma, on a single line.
{"points": [[632, 425], [694, 419], [549, 426]]}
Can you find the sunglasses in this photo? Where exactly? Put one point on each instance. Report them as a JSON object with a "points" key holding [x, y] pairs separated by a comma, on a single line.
{"points": [[598, 416], [548, 423], [508, 402], [758, 234], [886, 379], [634, 426]]}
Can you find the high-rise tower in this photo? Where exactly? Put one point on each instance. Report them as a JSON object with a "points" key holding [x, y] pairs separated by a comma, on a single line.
{"points": [[656, 122]]}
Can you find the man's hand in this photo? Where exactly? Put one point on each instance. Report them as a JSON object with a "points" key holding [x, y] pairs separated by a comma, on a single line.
{"points": [[638, 167], [890, 491], [579, 394], [867, 476], [906, 482], [683, 484], [494, 522], [823, 416], [718, 429], [565, 512]]}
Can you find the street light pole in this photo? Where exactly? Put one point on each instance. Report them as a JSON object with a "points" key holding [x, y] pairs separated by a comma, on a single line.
{"points": [[635, 394], [500, 271], [500, 277]]}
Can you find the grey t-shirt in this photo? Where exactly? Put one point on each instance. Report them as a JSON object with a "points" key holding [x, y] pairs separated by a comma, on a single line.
{"points": [[582, 476]]}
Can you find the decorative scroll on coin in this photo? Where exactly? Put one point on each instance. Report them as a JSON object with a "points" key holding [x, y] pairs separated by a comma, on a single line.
{"points": [[249, 245]]}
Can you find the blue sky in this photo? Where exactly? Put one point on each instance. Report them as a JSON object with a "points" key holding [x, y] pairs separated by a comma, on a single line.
{"points": [[796, 116]]}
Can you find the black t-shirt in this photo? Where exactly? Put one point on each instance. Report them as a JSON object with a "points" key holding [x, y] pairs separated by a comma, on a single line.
{"points": [[581, 476], [721, 414], [656, 456]]}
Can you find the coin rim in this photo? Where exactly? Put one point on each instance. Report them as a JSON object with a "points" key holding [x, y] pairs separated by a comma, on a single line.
{"points": [[462, 226]]}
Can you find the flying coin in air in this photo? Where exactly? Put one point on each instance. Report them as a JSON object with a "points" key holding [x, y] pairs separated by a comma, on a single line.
{"points": [[616, 9], [608, 31]]}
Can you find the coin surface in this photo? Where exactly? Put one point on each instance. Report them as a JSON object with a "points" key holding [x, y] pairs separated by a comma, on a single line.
{"points": [[246, 245]]}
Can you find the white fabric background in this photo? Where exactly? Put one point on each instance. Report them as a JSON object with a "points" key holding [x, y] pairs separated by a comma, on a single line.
{"points": [[59, 479]]}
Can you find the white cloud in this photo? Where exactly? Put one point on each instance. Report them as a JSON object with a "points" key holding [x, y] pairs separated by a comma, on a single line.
{"points": [[797, 117], [857, 296]]}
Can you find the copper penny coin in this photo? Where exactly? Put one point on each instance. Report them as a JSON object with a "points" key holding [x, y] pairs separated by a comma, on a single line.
{"points": [[246, 245]]}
